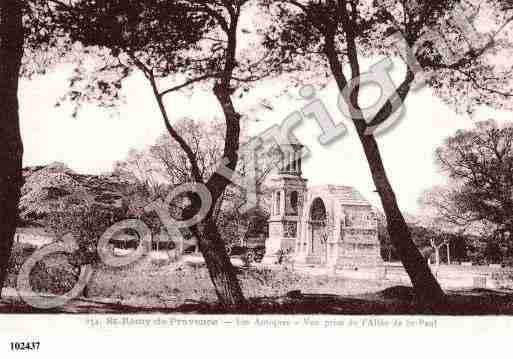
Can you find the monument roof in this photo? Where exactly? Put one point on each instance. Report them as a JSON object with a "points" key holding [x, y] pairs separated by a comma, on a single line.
{"points": [[344, 194]]}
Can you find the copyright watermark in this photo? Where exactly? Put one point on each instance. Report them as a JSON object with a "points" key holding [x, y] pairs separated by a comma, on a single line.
{"points": [[280, 136]]}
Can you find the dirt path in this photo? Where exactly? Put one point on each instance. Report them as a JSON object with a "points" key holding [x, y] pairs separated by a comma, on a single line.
{"points": [[394, 300]]}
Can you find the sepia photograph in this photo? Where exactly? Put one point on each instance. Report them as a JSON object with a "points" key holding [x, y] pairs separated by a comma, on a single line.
{"points": [[198, 166]]}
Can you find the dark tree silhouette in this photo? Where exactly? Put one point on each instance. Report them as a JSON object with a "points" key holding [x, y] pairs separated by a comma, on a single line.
{"points": [[11, 147]]}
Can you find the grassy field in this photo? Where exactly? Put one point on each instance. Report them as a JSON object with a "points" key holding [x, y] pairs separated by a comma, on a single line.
{"points": [[146, 284], [158, 286]]}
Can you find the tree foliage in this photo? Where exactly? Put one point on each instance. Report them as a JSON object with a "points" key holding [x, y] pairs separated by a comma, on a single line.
{"points": [[468, 72], [479, 162], [345, 31], [163, 165], [194, 42]]}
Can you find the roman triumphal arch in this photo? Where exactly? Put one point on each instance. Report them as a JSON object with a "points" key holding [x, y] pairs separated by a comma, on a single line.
{"points": [[327, 225]]}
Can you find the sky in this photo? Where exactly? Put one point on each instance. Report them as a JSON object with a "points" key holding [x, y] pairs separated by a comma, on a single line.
{"points": [[96, 139]]}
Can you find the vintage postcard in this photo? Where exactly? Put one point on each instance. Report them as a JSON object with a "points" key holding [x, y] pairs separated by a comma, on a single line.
{"points": [[204, 169]]}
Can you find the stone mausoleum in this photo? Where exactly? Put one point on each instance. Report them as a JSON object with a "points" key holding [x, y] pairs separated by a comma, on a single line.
{"points": [[328, 225]]}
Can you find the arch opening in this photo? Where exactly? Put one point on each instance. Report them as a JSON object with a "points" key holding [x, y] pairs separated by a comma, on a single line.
{"points": [[318, 211], [317, 231]]}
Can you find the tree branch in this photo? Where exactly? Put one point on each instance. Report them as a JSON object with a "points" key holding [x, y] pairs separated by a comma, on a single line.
{"points": [[183, 144], [388, 108], [186, 83]]}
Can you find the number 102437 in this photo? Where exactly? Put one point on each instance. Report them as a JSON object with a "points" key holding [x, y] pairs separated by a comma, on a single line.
{"points": [[19, 346]]}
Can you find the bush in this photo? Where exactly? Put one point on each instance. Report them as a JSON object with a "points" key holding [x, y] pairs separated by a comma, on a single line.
{"points": [[19, 254], [54, 274], [504, 279], [492, 253], [53, 279], [86, 224]]}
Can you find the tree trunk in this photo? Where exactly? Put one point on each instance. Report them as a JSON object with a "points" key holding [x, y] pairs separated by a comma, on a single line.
{"points": [[211, 244], [219, 267], [11, 148], [429, 294], [428, 291]]}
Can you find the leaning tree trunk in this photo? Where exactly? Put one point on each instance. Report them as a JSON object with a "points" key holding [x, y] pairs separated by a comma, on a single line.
{"points": [[428, 291], [220, 268], [11, 148], [211, 244]]}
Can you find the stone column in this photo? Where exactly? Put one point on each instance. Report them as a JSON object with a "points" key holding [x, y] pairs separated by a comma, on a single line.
{"points": [[282, 204], [273, 203]]}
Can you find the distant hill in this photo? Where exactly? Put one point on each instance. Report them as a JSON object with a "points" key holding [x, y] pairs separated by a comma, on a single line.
{"points": [[46, 188]]}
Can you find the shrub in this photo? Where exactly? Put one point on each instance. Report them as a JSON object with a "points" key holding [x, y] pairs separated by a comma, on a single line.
{"points": [[54, 279], [19, 254], [504, 279], [54, 274]]}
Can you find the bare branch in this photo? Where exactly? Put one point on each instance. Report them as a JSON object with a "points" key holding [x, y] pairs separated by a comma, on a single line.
{"points": [[183, 144], [186, 83], [468, 75]]}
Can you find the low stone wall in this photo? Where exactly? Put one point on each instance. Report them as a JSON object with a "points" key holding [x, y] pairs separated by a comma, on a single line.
{"points": [[458, 276], [449, 276], [32, 239]]}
